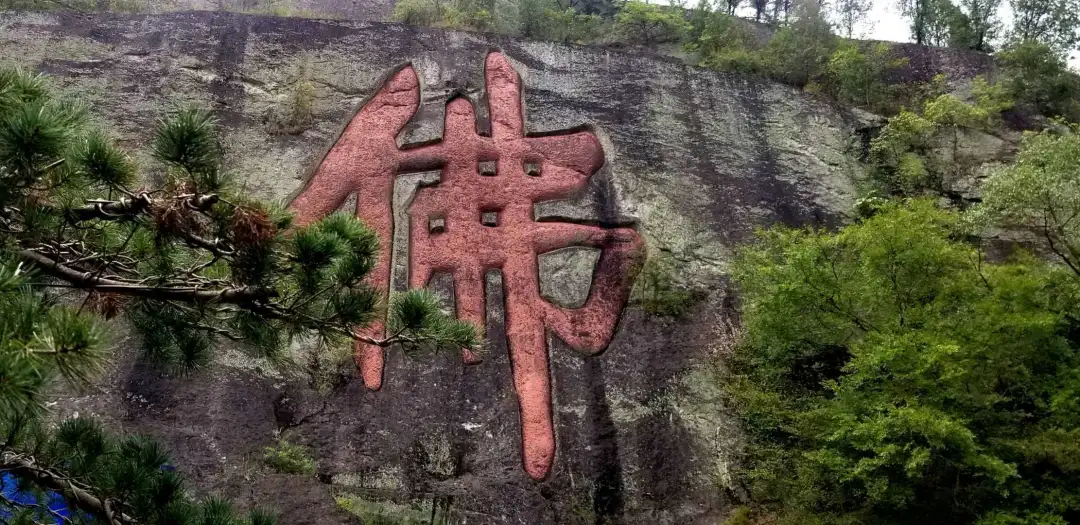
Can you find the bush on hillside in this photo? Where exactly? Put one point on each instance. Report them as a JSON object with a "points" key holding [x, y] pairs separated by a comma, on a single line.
{"points": [[890, 375], [1039, 77]]}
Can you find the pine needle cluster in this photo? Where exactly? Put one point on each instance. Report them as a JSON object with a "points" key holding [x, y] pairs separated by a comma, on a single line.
{"points": [[190, 262]]}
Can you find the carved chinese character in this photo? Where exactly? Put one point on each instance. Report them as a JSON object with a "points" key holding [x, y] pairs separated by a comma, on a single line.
{"points": [[479, 217]]}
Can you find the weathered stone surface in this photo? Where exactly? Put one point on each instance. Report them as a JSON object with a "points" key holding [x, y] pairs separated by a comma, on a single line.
{"points": [[972, 156], [566, 275], [697, 158], [377, 10]]}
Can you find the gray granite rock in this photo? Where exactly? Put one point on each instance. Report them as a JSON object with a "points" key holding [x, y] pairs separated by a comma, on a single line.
{"points": [[695, 158], [566, 275]]}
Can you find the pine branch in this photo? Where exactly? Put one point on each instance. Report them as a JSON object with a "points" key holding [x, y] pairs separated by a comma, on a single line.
{"points": [[200, 202], [76, 496], [240, 296], [111, 210], [33, 506], [214, 246]]}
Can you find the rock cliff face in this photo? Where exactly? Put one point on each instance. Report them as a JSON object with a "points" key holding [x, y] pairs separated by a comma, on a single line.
{"points": [[375, 10], [693, 160]]}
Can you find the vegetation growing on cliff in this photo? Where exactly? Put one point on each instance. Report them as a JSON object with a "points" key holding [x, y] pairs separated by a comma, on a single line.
{"points": [[903, 156], [798, 43], [891, 374], [191, 262]]}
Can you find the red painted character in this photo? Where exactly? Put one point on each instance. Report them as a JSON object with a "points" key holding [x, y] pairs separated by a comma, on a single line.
{"points": [[487, 224]]}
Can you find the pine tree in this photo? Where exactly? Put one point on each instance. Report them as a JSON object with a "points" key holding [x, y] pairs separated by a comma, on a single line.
{"points": [[189, 263]]}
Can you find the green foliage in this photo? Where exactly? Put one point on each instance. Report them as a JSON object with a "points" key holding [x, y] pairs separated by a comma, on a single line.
{"points": [[419, 12], [290, 458], [647, 24], [991, 100], [722, 41], [950, 114], [741, 516], [1037, 76], [891, 375], [946, 25], [799, 53], [99, 160], [377, 512], [469, 15], [893, 149], [1052, 23], [188, 263], [281, 8], [418, 312], [901, 153], [921, 13], [848, 14], [186, 141], [40, 341], [1040, 192], [971, 24], [455, 14], [569, 25], [551, 20], [656, 290], [977, 26], [48, 5], [135, 471], [858, 77], [804, 53]]}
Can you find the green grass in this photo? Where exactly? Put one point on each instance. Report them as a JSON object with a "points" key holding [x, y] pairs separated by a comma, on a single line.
{"points": [[740, 516], [290, 458], [372, 512]]}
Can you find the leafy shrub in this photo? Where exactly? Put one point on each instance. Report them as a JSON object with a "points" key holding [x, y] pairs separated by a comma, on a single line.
{"points": [[290, 458], [647, 24], [374, 512], [905, 134], [568, 25], [891, 375], [722, 41], [800, 52], [420, 12], [551, 20], [453, 14], [1038, 76], [858, 77], [900, 153], [47, 5], [741, 516], [1040, 192]]}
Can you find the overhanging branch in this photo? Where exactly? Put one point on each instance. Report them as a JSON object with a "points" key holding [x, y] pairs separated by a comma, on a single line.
{"points": [[241, 295]]}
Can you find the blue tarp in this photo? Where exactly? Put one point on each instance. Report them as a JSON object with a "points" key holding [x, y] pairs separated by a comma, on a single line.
{"points": [[56, 502]]}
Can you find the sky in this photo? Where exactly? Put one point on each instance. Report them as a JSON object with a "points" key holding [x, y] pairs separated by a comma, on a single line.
{"points": [[885, 23]]}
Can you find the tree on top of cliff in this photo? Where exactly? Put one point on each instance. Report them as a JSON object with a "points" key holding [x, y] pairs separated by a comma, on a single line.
{"points": [[190, 262], [648, 24], [1055, 23]]}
